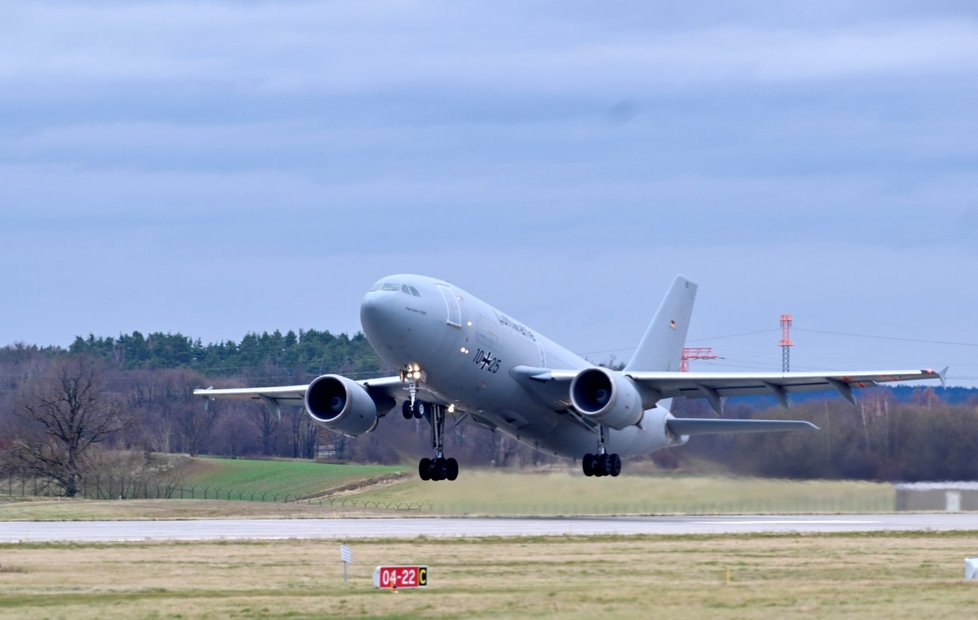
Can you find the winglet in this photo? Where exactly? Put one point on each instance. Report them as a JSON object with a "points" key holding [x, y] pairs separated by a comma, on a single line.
{"points": [[943, 376]]}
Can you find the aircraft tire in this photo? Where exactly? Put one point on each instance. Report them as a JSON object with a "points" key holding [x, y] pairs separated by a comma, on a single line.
{"points": [[587, 464], [406, 410], [614, 465], [451, 469], [601, 465], [424, 469], [438, 468], [419, 409]]}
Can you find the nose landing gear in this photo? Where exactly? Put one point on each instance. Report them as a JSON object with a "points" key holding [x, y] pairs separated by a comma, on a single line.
{"points": [[418, 410], [413, 375]]}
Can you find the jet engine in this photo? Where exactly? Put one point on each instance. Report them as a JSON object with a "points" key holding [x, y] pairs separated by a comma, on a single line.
{"points": [[341, 405], [606, 397]]}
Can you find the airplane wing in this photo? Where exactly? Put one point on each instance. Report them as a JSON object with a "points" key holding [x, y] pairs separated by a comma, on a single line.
{"points": [[281, 394], [380, 389], [716, 386]]}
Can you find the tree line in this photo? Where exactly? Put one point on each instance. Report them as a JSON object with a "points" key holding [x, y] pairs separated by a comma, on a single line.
{"points": [[879, 438], [306, 352], [67, 412]]}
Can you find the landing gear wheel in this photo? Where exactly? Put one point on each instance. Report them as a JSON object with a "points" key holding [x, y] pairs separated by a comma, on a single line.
{"points": [[406, 410], [614, 465], [587, 464], [438, 468], [601, 465]]}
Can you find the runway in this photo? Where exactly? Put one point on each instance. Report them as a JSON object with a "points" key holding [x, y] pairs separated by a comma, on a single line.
{"points": [[401, 528]]}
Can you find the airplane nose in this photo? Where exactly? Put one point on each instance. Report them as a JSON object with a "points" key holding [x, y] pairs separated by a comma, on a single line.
{"points": [[398, 326], [377, 315]]}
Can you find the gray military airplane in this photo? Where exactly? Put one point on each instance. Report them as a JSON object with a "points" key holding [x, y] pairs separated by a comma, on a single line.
{"points": [[460, 357]]}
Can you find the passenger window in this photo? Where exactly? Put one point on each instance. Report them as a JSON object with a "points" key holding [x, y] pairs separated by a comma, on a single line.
{"points": [[415, 292]]}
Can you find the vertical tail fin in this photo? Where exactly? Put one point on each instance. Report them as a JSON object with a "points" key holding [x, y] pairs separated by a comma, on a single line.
{"points": [[662, 345]]}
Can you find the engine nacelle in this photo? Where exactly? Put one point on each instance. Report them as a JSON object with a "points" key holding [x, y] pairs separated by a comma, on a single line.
{"points": [[606, 397], [341, 405]]}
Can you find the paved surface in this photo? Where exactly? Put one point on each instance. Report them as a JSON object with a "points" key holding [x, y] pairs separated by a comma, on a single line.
{"points": [[270, 529]]}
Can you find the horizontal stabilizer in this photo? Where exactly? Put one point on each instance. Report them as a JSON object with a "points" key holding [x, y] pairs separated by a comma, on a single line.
{"points": [[706, 426]]}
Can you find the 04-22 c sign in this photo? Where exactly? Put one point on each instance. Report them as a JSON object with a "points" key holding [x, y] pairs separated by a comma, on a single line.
{"points": [[400, 577]]}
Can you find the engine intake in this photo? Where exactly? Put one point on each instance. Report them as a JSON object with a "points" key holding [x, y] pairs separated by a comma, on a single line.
{"points": [[341, 405], [606, 397]]}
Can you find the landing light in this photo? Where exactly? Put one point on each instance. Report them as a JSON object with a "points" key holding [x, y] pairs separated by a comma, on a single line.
{"points": [[451, 408]]}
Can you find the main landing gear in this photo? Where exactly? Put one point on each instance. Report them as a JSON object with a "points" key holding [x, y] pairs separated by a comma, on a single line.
{"points": [[602, 463], [438, 468]]}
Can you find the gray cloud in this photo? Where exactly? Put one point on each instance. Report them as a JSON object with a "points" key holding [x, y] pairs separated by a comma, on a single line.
{"points": [[560, 159]]}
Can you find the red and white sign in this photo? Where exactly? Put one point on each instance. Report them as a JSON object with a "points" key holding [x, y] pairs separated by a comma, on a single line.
{"points": [[400, 577]]}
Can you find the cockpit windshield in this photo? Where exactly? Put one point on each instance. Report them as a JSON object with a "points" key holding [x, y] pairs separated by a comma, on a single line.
{"points": [[407, 289]]}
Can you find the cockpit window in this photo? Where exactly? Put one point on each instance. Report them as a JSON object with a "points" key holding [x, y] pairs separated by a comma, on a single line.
{"points": [[407, 289]]}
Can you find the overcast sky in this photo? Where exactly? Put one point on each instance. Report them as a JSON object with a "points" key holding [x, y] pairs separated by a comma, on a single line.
{"points": [[215, 168]]}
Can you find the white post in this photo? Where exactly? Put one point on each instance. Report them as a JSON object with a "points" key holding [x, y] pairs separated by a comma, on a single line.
{"points": [[347, 556]]}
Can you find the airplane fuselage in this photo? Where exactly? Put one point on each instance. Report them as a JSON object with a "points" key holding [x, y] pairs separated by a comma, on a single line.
{"points": [[467, 349]]}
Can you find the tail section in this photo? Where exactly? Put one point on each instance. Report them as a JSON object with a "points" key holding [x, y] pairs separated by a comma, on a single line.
{"points": [[661, 348]]}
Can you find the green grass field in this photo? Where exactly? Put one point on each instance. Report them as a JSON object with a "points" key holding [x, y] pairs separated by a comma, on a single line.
{"points": [[268, 479], [915, 575]]}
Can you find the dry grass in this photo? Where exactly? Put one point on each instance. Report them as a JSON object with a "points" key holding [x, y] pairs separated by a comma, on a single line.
{"points": [[488, 492], [879, 575]]}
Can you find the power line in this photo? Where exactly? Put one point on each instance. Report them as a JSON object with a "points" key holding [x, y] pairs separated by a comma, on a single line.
{"points": [[711, 338], [754, 333], [896, 338]]}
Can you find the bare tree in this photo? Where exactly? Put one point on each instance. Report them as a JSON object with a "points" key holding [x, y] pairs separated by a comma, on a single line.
{"points": [[196, 424], [61, 418]]}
